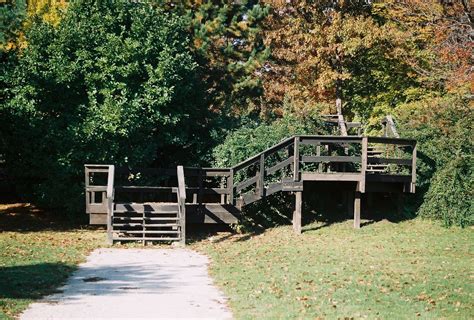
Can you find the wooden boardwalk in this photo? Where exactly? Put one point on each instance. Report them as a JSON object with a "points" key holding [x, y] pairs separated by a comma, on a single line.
{"points": [[155, 204]]}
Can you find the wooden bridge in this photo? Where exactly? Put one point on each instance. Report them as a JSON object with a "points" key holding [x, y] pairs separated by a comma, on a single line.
{"points": [[156, 204]]}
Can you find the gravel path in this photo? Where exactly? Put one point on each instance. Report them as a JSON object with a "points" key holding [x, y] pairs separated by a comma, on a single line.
{"points": [[136, 283]]}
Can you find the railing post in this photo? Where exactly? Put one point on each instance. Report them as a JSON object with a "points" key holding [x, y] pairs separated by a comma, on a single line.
{"points": [[296, 159], [88, 194], [230, 187], [261, 178], [318, 153], [110, 202], [363, 168], [182, 203], [413, 170]]}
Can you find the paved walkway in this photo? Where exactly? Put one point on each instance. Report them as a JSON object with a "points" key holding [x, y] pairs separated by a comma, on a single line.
{"points": [[136, 283]]}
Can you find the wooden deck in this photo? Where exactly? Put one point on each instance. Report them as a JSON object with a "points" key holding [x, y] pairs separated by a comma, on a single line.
{"points": [[217, 195]]}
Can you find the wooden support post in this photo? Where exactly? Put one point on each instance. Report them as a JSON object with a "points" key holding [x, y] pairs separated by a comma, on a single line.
{"points": [[110, 205], [357, 210], [297, 212]]}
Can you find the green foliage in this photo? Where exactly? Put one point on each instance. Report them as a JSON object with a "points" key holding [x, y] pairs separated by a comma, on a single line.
{"points": [[227, 41], [12, 13], [256, 137], [114, 82], [443, 127], [451, 194]]}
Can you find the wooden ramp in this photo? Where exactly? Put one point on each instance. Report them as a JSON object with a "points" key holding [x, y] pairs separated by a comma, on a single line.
{"points": [[156, 204]]}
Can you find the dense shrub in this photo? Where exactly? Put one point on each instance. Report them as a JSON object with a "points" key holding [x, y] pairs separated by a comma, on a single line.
{"points": [[450, 197], [113, 82], [443, 127]]}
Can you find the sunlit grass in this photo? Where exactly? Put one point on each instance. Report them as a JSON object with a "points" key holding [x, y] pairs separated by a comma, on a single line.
{"points": [[384, 270]]}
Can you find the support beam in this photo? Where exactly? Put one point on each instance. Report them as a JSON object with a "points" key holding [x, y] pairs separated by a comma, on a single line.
{"points": [[357, 210], [297, 212]]}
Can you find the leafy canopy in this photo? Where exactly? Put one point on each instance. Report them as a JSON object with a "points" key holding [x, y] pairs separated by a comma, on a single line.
{"points": [[113, 82]]}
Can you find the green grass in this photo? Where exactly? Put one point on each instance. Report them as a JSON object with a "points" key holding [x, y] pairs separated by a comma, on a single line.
{"points": [[412, 269], [35, 256]]}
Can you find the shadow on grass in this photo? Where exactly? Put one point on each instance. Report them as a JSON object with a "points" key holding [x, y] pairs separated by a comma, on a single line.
{"points": [[32, 281], [320, 210], [25, 217]]}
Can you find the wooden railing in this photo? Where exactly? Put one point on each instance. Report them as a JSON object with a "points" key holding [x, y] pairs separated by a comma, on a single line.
{"points": [[332, 157], [99, 183]]}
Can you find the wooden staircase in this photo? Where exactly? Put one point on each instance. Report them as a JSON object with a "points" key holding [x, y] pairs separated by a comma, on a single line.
{"points": [[376, 152], [151, 209], [146, 222]]}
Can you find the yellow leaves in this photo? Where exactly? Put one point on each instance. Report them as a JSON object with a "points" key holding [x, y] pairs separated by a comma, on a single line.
{"points": [[48, 9]]}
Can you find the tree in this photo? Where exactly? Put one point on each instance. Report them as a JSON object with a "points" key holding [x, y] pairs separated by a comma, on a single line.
{"points": [[323, 51], [12, 14], [113, 82], [443, 34]]}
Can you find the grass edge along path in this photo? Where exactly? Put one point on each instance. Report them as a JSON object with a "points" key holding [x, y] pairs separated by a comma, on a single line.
{"points": [[407, 270], [37, 259]]}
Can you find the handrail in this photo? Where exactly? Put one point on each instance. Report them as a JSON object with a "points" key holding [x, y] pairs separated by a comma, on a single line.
{"points": [[255, 158]]}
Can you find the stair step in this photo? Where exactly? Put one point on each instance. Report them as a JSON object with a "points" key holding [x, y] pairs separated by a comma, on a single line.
{"points": [[148, 207], [146, 212], [145, 225], [146, 218], [145, 239], [148, 231]]}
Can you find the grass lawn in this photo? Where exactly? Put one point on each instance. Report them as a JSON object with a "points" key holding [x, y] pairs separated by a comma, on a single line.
{"points": [[407, 270], [36, 256]]}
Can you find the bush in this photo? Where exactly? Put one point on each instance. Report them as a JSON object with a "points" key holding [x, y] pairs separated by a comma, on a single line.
{"points": [[113, 82], [450, 197], [443, 127]]}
